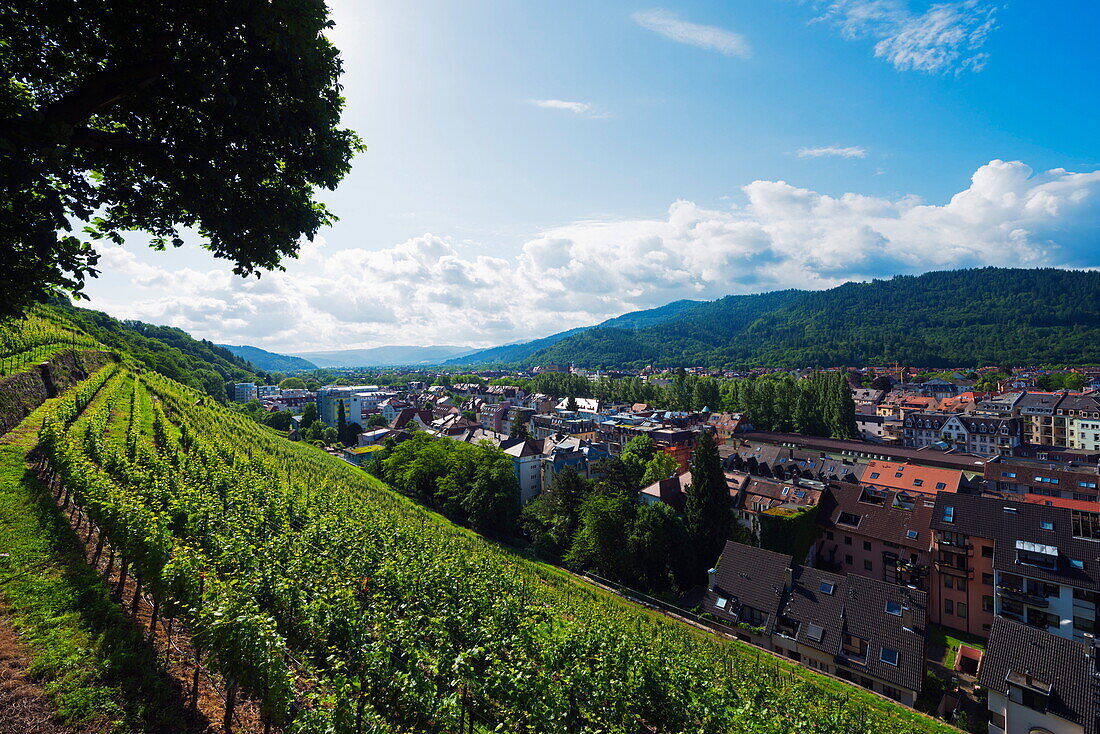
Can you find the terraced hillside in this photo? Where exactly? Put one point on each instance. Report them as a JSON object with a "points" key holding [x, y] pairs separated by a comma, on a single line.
{"points": [[326, 602]]}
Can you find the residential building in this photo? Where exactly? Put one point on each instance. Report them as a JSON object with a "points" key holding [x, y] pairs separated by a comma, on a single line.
{"points": [[1036, 409], [527, 457], [560, 451], [757, 496], [1039, 683], [911, 478], [1070, 409], [985, 436], [245, 391], [1068, 480], [669, 490], [860, 629], [1085, 433], [878, 533], [1028, 562]]}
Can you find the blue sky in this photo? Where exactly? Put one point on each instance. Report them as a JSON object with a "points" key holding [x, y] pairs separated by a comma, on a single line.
{"points": [[537, 166]]}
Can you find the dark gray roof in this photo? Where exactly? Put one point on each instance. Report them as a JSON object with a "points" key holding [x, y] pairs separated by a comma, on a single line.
{"points": [[1006, 522], [857, 606], [887, 520], [1054, 660]]}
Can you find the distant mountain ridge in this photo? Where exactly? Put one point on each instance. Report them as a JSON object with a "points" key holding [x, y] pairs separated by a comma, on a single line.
{"points": [[987, 316], [513, 353], [270, 361], [387, 356]]}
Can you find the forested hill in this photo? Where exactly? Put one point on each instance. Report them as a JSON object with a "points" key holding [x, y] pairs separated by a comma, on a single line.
{"points": [[271, 361], [951, 318], [512, 353], [170, 351]]}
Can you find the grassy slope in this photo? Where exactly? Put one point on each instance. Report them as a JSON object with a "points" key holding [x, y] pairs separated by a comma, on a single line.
{"points": [[98, 667]]}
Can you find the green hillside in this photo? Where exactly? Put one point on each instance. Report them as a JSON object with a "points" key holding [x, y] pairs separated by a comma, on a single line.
{"points": [[170, 351], [338, 605], [270, 361], [512, 353], [963, 317]]}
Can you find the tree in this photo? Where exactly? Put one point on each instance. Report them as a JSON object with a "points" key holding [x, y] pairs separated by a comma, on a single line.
{"points": [[341, 423], [571, 404], [707, 508], [492, 501], [279, 420], [566, 493], [519, 428], [309, 414], [377, 420], [659, 546], [156, 116], [600, 541], [292, 383], [330, 436], [661, 466]]}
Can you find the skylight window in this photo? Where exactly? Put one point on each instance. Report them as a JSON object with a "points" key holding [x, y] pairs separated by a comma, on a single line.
{"points": [[911, 534], [1046, 525], [1076, 563], [941, 485], [893, 607], [815, 632], [720, 603], [874, 475], [848, 518], [949, 514], [918, 482], [827, 587], [888, 656]]}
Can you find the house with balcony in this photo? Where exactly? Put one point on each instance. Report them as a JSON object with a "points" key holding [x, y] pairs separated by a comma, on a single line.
{"points": [[1030, 563], [879, 533], [859, 629]]}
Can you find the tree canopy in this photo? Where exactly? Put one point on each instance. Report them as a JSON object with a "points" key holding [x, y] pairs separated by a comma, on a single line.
{"points": [[219, 117]]}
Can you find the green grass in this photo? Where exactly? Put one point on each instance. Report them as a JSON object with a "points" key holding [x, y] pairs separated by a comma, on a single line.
{"points": [[94, 661], [950, 640]]}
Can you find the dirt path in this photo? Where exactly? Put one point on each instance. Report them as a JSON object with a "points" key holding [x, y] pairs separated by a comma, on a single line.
{"points": [[24, 706]]}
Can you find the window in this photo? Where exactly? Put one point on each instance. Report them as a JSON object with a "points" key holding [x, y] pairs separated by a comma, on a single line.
{"points": [[855, 647], [960, 609], [949, 514], [893, 607], [815, 632], [866, 545], [868, 566], [1087, 485], [1046, 480], [848, 560], [987, 604], [888, 656], [918, 482], [1008, 474], [891, 692], [829, 534], [720, 603], [827, 587], [1046, 525], [987, 551], [847, 540], [1077, 563], [948, 582], [941, 485], [874, 475], [960, 584], [848, 518], [987, 579], [948, 606], [911, 534]]}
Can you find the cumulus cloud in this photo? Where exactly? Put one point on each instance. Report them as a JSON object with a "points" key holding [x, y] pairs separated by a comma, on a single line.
{"points": [[426, 291], [582, 109], [948, 36], [833, 151], [709, 37]]}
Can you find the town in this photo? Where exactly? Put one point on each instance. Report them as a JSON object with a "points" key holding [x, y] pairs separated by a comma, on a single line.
{"points": [[945, 557]]}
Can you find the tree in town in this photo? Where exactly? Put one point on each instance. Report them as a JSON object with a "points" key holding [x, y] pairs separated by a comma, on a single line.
{"points": [[661, 466], [564, 496], [492, 500], [518, 428], [600, 541], [292, 383], [377, 420], [658, 546], [571, 404], [707, 507], [341, 423], [161, 116], [309, 414]]}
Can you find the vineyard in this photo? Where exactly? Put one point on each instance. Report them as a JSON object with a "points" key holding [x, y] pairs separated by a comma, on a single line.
{"points": [[332, 604], [35, 336]]}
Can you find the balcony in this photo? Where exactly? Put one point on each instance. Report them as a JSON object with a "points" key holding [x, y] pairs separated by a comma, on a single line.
{"points": [[1034, 600]]}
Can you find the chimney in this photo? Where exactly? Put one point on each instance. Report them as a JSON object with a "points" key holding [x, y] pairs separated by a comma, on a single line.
{"points": [[788, 578], [907, 616], [711, 583]]}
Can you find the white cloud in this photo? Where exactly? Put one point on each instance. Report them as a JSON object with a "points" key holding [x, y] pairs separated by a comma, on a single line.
{"points": [[833, 151], [704, 36], [947, 36], [583, 109], [424, 291]]}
